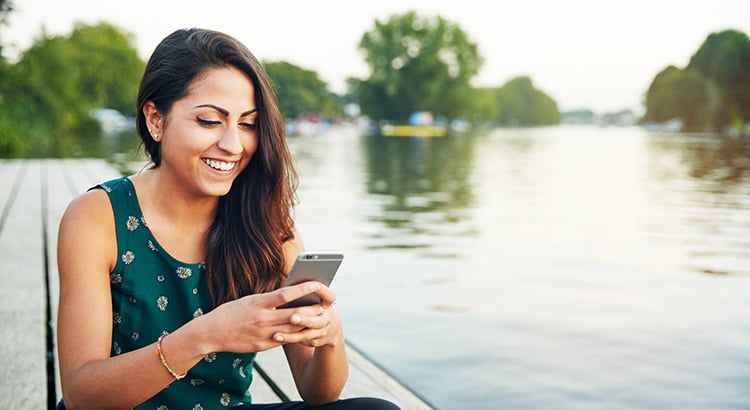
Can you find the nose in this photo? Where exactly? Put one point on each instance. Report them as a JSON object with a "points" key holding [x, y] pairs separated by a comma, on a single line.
{"points": [[231, 141]]}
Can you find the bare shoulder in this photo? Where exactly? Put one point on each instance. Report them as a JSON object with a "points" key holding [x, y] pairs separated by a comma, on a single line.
{"points": [[87, 226]]}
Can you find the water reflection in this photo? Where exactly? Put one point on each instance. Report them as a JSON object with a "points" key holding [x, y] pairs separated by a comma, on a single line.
{"points": [[424, 186], [721, 160], [702, 187]]}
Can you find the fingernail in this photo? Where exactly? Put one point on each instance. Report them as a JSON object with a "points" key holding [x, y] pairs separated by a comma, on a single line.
{"points": [[295, 319]]}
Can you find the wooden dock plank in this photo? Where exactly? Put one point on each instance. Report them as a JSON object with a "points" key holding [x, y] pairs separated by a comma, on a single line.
{"points": [[22, 295], [366, 379]]}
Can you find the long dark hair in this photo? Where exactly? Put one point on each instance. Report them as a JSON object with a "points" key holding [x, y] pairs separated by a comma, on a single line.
{"points": [[244, 252]]}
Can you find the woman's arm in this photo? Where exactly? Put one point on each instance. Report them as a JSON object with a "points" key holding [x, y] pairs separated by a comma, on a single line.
{"points": [[319, 364], [317, 354], [87, 253]]}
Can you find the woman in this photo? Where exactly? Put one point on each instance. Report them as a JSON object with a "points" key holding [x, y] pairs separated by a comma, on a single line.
{"points": [[170, 279]]}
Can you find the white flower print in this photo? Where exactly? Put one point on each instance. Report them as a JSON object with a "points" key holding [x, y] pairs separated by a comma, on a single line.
{"points": [[116, 348], [196, 382], [132, 223], [195, 291], [242, 372], [160, 278], [183, 272], [144, 222], [106, 188], [128, 257], [151, 246], [116, 318], [162, 407], [210, 357], [198, 407], [224, 400], [236, 362], [198, 312], [135, 335], [162, 303], [115, 278]]}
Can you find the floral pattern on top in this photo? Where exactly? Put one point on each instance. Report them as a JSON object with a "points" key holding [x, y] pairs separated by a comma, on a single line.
{"points": [[184, 272], [148, 301], [132, 223]]}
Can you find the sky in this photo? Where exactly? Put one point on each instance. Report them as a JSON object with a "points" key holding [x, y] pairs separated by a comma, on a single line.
{"points": [[586, 54]]}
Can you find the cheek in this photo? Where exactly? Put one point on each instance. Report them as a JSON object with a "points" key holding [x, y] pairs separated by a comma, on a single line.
{"points": [[251, 144]]}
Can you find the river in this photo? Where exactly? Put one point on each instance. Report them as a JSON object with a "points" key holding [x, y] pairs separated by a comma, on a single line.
{"points": [[561, 267]]}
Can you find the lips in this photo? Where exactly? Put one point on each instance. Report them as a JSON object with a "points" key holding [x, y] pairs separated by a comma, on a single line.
{"points": [[219, 165]]}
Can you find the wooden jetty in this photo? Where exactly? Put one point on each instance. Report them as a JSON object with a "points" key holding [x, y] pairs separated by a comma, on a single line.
{"points": [[33, 196]]}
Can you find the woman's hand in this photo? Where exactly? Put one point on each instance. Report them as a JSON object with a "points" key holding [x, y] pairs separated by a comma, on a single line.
{"points": [[253, 323], [313, 326]]}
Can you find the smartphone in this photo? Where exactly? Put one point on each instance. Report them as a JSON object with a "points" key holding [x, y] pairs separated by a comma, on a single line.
{"points": [[320, 266]]}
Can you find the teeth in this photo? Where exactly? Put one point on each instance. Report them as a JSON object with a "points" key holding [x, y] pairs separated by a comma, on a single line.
{"points": [[220, 165]]}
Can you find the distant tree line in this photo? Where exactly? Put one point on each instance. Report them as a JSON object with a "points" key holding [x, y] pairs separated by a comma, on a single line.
{"points": [[712, 93], [426, 64]]}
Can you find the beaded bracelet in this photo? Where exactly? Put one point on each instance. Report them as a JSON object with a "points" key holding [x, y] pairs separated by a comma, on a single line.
{"points": [[164, 362]]}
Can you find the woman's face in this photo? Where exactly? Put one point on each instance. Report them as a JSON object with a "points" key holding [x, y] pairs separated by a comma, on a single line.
{"points": [[210, 134]]}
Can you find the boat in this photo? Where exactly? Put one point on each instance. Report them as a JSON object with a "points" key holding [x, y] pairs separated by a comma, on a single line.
{"points": [[421, 124], [389, 130]]}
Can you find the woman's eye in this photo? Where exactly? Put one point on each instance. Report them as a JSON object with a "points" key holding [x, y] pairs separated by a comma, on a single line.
{"points": [[248, 125], [202, 121]]}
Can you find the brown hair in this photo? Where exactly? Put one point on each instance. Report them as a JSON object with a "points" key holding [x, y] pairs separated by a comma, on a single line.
{"points": [[244, 252]]}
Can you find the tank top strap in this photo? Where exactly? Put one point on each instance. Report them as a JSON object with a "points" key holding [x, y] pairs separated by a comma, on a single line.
{"points": [[127, 212]]}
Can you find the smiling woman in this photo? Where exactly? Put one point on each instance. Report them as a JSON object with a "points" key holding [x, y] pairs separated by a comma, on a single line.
{"points": [[171, 277]]}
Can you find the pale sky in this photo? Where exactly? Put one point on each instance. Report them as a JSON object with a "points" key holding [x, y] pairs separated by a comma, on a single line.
{"points": [[595, 54]]}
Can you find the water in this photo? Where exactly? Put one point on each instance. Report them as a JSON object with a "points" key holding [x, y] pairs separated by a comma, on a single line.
{"points": [[559, 267]]}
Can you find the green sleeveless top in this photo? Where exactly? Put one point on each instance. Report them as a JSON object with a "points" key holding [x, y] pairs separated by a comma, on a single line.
{"points": [[153, 294]]}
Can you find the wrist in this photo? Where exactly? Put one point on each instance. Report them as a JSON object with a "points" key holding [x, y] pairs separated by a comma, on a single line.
{"points": [[198, 333]]}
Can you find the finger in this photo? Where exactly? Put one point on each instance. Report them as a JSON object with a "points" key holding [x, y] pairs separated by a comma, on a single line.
{"points": [[290, 293], [307, 337], [327, 296]]}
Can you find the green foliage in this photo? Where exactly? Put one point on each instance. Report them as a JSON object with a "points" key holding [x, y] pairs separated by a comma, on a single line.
{"points": [[107, 65], [47, 96], [521, 104], [712, 92], [684, 94], [417, 64], [485, 106], [301, 92]]}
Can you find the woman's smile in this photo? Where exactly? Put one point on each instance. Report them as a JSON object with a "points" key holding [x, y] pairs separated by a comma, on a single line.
{"points": [[219, 165]]}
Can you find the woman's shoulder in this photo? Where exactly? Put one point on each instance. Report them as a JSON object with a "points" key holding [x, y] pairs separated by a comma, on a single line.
{"points": [[88, 227], [92, 206]]}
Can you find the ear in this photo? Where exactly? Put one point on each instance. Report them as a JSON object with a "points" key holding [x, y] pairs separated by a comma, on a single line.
{"points": [[154, 120]]}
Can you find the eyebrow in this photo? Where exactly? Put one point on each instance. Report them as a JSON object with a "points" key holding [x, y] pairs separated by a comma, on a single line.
{"points": [[225, 112]]}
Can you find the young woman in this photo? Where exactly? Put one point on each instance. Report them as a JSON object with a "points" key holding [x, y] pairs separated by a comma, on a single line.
{"points": [[170, 279]]}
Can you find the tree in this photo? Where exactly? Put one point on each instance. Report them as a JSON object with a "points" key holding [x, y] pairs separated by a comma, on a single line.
{"points": [[724, 58], [712, 92], [301, 91], [521, 104], [107, 65], [682, 94], [49, 93], [417, 64]]}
